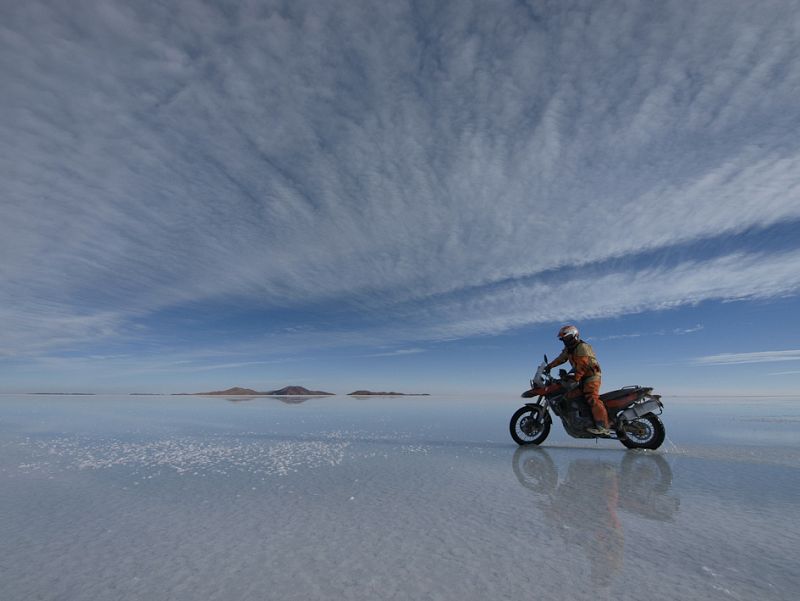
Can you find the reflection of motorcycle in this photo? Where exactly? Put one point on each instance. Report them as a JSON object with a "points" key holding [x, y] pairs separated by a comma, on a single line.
{"points": [[583, 506], [644, 480], [633, 412]]}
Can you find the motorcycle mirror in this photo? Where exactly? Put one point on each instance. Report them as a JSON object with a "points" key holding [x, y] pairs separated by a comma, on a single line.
{"points": [[545, 359]]}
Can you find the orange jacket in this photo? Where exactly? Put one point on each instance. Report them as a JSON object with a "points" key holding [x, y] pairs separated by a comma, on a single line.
{"points": [[582, 359]]}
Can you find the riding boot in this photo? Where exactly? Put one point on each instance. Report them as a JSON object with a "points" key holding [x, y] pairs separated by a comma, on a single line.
{"points": [[599, 429]]}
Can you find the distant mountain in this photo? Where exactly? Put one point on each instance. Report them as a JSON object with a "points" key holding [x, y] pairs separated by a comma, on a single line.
{"points": [[299, 391], [372, 393], [235, 391], [287, 391]]}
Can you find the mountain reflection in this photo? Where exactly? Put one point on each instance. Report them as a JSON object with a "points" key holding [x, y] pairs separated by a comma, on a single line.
{"points": [[581, 502], [289, 400]]}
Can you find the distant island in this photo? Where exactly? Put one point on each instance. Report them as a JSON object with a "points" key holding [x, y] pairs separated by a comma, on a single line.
{"points": [[238, 391], [372, 393]]}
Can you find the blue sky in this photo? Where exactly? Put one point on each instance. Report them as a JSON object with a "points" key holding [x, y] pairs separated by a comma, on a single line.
{"points": [[398, 195]]}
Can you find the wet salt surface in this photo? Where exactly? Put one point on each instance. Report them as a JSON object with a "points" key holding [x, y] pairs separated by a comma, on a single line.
{"points": [[416, 498]]}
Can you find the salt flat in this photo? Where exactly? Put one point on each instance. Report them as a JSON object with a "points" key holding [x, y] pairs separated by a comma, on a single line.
{"points": [[390, 498]]}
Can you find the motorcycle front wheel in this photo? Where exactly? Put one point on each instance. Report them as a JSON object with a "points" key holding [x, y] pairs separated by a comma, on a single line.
{"points": [[527, 427], [645, 432]]}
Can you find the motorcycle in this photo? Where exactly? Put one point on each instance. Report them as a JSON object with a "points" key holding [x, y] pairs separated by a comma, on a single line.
{"points": [[632, 412]]}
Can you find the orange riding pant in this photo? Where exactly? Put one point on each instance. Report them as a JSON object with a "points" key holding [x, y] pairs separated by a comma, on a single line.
{"points": [[591, 392]]}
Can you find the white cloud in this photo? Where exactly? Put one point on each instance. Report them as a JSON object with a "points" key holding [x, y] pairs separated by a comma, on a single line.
{"points": [[609, 294], [691, 330], [579, 297], [757, 357], [675, 331], [370, 155], [624, 336], [399, 352]]}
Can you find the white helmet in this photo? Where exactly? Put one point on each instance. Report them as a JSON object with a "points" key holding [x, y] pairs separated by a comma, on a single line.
{"points": [[569, 335]]}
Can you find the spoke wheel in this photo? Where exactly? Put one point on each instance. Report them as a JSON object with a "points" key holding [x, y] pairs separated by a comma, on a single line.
{"points": [[527, 427], [534, 469], [646, 432]]}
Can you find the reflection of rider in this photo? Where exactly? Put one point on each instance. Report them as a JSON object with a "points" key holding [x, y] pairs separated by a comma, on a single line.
{"points": [[587, 374], [591, 493]]}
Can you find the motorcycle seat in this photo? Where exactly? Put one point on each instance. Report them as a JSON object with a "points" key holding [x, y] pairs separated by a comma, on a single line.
{"points": [[615, 394], [618, 399], [624, 391]]}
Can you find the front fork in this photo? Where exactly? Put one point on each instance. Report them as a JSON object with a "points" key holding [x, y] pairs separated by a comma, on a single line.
{"points": [[543, 410]]}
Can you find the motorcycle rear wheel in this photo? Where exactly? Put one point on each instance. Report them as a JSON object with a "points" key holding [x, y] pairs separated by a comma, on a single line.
{"points": [[526, 427], [645, 432]]}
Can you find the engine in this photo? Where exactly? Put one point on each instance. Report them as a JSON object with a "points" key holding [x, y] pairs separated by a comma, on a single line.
{"points": [[578, 413]]}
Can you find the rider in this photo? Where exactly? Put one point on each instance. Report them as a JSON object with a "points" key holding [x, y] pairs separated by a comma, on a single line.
{"points": [[587, 374]]}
